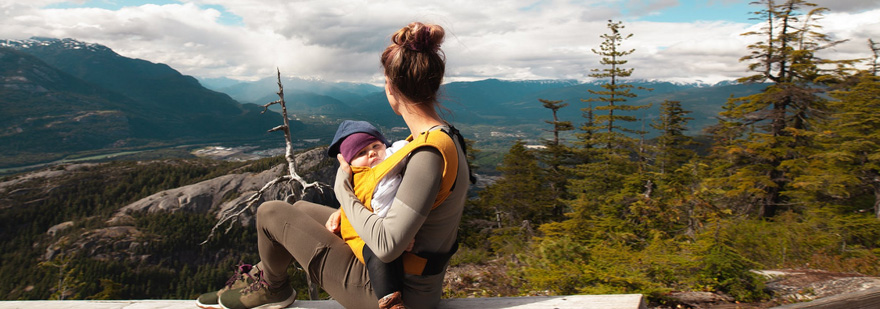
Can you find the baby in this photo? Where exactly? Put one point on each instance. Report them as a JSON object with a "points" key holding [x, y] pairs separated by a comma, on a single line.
{"points": [[364, 149], [361, 145]]}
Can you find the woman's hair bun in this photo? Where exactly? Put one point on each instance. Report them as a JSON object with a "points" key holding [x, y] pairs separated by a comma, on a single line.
{"points": [[420, 37]]}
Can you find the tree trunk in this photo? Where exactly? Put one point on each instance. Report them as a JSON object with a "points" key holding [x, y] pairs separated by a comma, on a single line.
{"points": [[877, 200], [774, 198]]}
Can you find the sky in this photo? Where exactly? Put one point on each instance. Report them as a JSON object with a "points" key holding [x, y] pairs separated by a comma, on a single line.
{"points": [[341, 40]]}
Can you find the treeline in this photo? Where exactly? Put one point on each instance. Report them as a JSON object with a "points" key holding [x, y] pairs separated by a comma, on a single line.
{"points": [[789, 178]]}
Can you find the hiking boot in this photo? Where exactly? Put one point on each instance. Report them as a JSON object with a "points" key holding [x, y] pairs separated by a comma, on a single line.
{"points": [[392, 301], [259, 295], [240, 279]]}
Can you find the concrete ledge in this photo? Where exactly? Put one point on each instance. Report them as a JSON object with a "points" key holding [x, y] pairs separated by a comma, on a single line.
{"points": [[615, 301]]}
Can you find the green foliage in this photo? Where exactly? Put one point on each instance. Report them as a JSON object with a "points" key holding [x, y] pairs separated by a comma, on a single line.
{"points": [[846, 169], [520, 194], [672, 144], [70, 278], [111, 290], [469, 255], [724, 269], [173, 264], [557, 264], [565, 266], [836, 241], [768, 158], [781, 188]]}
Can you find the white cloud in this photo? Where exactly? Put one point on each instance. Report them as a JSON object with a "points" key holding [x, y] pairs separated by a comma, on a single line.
{"points": [[847, 6], [342, 39]]}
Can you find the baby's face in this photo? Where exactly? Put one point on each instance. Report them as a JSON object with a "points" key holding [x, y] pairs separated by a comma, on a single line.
{"points": [[370, 155]]}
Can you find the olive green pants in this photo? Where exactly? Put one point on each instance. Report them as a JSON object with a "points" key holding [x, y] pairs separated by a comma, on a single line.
{"points": [[286, 232]]}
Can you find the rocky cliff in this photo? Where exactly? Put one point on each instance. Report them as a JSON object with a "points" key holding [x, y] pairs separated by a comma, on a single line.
{"points": [[221, 193], [119, 238]]}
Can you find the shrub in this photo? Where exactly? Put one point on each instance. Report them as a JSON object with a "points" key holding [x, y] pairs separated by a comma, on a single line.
{"points": [[724, 269]]}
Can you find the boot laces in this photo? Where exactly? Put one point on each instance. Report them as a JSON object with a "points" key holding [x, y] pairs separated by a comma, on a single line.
{"points": [[241, 271], [259, 283]]}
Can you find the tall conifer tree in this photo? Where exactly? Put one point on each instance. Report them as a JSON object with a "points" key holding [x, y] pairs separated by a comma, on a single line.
{"points": [[847, 171], [555, 156], [610, 127], [785, 58], [607, 181]]}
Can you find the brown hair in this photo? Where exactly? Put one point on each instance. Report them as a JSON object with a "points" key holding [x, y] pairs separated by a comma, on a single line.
{"points": [[414, 63]]}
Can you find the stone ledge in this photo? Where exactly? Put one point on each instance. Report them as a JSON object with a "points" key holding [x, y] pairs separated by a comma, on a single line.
{"points": [[865, 299], [615, 301]]}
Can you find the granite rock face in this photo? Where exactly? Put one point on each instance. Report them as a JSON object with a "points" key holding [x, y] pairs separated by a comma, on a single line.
{"points": [[228, 191], [118, 239], [209, 195]]}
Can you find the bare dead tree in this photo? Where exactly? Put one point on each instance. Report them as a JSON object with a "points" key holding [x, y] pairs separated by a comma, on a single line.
{"points": [[235, 212]]}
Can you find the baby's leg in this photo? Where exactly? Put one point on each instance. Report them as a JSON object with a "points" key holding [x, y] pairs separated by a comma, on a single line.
{"points": [[386, 278]]}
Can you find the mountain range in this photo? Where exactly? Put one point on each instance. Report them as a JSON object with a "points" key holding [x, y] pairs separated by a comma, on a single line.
{"points": [[61, 97], [491, 101]]}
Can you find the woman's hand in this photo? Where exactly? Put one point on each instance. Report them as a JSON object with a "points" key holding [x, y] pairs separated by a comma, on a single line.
{"points": [[333, 222], [342, 164]]}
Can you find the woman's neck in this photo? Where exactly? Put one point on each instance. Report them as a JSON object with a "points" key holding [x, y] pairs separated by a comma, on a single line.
{"points": [[420, 119]]}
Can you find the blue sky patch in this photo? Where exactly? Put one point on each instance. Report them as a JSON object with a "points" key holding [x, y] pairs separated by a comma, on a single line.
{"points": [[692, 10]]}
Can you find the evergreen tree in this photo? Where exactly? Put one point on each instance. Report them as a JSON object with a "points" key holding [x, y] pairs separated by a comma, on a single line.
{"points": [[471, 154], [555, 155], [847, 171], [558, 126], [587, 138], [521, 193], [785, 58], [609, 129], [672, 143], [69, 278], [608, 181], [669, 198]]}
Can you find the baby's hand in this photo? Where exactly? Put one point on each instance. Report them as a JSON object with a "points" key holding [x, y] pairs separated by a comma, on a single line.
{"points": [[333, 222], [411, 243]]}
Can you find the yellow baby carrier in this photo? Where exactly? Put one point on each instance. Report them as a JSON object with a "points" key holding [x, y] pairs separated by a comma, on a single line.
{"points": [[365, 180]]}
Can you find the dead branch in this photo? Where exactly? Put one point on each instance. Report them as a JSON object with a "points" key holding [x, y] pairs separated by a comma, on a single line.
{"points": [[236, 211]]}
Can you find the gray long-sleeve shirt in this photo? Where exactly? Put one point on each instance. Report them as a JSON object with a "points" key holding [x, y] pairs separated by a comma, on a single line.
{"points": [[411, 217]]}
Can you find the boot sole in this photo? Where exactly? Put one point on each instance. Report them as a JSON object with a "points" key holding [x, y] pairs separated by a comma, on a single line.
{"points": [[208, 306], [276, 305]]}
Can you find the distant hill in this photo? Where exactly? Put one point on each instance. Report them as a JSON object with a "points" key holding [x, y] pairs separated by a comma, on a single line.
{"points": [[65, 96], [260, 92], [46, 110], [492, 101]]}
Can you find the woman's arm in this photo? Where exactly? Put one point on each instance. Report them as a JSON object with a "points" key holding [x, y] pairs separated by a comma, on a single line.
{"points": [[388, 237]]}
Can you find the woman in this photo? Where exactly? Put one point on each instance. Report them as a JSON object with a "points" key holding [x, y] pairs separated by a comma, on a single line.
{"points": [[426, 210]]}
